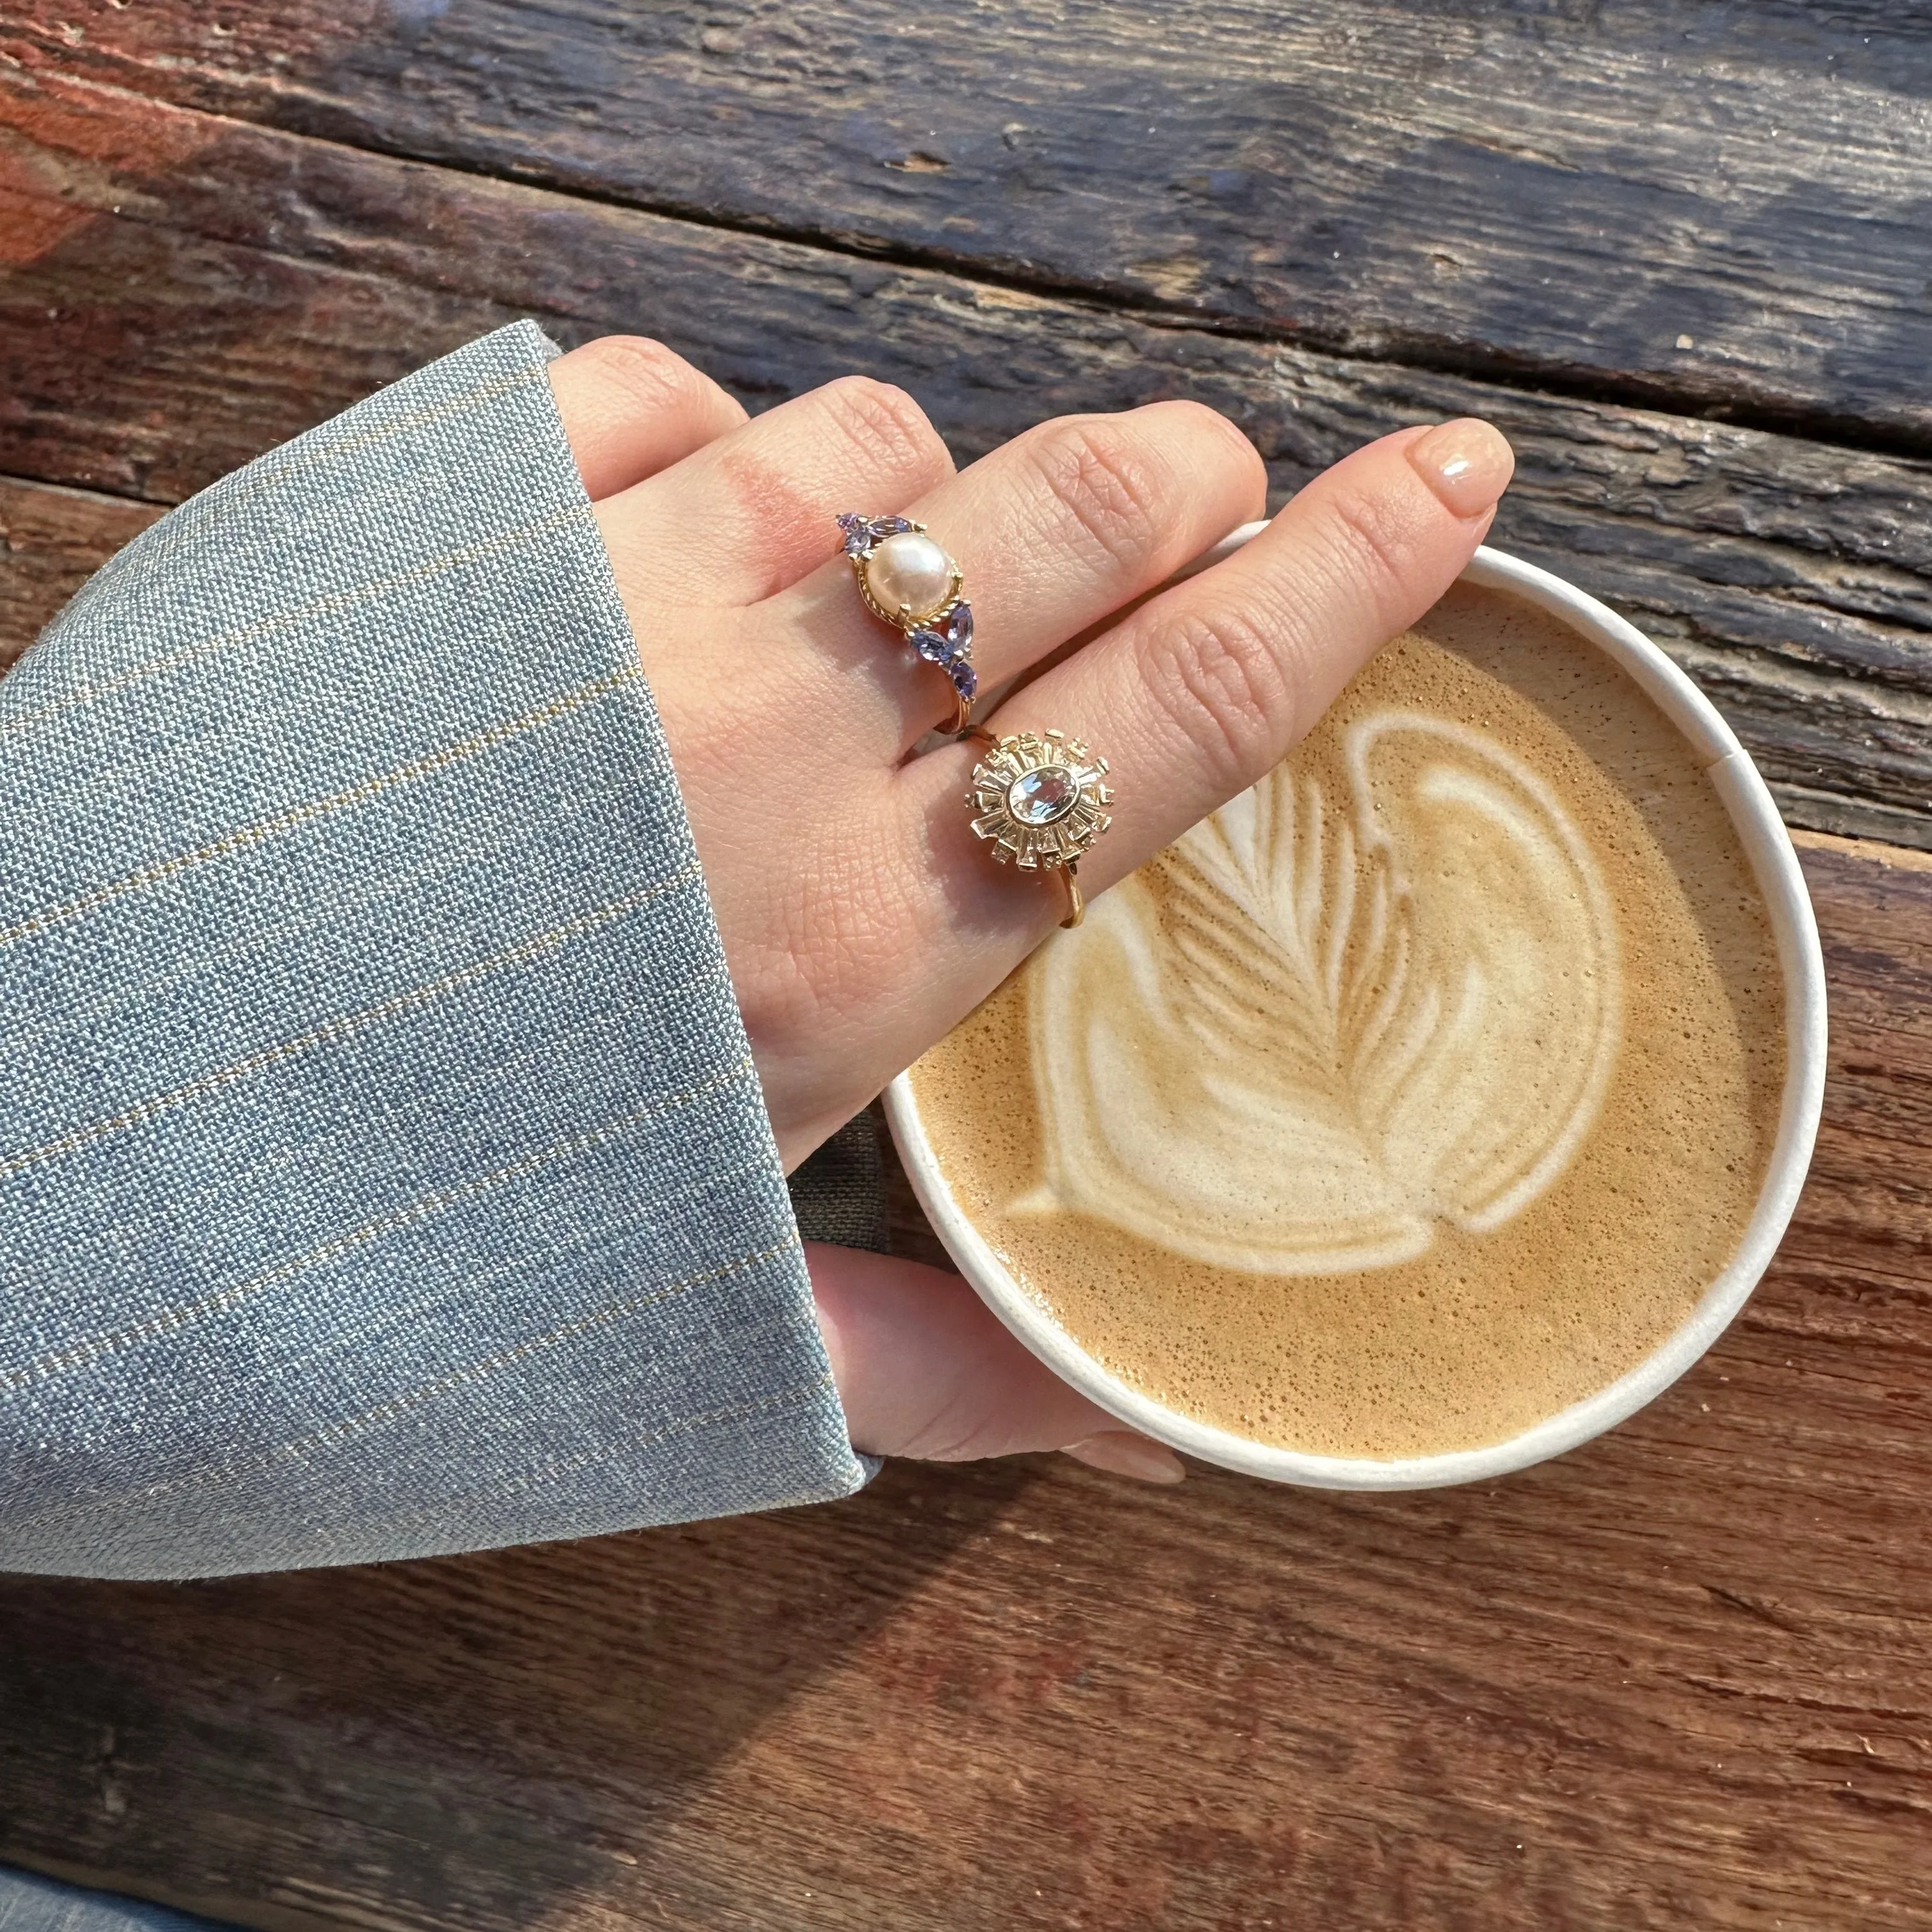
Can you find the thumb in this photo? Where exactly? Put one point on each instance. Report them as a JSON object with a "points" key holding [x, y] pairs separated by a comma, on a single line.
{"points": [[925, 1369]]}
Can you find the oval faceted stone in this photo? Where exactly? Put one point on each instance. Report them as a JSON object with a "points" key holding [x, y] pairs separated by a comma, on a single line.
{"points": [[1039, 798]]}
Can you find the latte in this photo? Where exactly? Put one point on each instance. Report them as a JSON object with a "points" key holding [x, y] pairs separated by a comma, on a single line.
{"points": [[1417, 1094]]}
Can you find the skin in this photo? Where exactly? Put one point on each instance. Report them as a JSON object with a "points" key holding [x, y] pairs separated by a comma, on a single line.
{"points": [[861, 920]]}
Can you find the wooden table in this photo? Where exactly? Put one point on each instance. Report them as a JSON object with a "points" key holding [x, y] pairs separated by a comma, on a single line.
{"points": [[1681, 251]]}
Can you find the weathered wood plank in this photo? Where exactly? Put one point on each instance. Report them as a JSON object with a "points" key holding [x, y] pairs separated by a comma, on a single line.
{"points": [[51, 542], [1710, 207], [199, 290], [1682, 1677]]}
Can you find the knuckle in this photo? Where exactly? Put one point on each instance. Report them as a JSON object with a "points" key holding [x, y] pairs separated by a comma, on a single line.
{"points": [[649, 374], [889, 429], [1220, 678], [1231, 442], [1104, 482], [1372, 544]]}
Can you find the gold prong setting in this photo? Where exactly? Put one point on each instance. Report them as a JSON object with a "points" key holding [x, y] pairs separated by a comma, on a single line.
{"points": [[1039, 799]]}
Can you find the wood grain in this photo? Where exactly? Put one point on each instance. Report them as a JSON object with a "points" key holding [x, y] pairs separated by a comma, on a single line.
{"points": [[1681, 1677], [204, 289], [1700, 205], [51, 542]]}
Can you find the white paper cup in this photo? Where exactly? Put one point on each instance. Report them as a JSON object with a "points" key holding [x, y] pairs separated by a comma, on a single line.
{"points": [[1775, 865]]}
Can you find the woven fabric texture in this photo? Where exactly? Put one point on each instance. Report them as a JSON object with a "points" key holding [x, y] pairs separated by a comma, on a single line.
{"points": [[31, 1903], [383, 1171]]}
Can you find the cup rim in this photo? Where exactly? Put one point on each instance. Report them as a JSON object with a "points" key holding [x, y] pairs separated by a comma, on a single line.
{"points": [[1775, 863]]}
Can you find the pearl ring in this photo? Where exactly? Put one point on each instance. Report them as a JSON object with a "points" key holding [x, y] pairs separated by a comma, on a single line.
{"points": [[1037, 797], [908, 580]]}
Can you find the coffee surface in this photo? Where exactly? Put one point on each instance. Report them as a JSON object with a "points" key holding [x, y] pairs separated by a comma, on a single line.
{"points": [[1417, 1094]]}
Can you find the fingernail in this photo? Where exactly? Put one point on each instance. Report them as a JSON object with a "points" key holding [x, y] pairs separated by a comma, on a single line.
{"points": [[1467, 462], [1121, 1454]]}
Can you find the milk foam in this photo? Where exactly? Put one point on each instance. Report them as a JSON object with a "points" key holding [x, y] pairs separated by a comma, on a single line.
{"points": [[1418, 1094], [1414, 986]]}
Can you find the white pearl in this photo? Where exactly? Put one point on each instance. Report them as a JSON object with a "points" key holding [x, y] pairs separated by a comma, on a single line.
{"points": [[909, 574]]}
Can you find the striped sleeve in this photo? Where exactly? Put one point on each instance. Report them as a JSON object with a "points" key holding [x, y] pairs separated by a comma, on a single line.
{"points": [[383, 1171]]}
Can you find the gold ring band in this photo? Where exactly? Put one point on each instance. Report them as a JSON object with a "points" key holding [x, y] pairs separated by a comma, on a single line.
{"points": [[1076, 902], [1039, 799]]}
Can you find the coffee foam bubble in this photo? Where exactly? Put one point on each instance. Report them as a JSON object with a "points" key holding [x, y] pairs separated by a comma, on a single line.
{"points": [[1418, 1093]]}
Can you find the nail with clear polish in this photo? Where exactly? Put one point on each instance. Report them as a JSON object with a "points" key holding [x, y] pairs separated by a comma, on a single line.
{"points": [[1467, 463]]}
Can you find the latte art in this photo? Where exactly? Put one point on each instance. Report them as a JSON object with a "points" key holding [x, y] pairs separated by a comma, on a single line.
{"points": [[1335, 1023]]}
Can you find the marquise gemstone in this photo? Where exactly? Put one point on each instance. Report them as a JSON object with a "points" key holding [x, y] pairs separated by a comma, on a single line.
{"points": [[1041, 797]]}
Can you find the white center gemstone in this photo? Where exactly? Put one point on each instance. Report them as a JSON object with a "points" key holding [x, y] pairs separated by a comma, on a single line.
{"points": [[1039, 798], [909, 574]]}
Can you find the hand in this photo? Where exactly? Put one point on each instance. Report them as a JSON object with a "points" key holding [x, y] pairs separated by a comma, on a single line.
{"points": [[861, 919]]}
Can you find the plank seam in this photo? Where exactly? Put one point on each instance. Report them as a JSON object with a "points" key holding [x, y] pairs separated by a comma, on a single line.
{"points": [[1500, 370]]}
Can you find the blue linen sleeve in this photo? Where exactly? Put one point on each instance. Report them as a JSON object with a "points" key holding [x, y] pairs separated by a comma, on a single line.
{"points": [[383, 1170], [29, 1903]]}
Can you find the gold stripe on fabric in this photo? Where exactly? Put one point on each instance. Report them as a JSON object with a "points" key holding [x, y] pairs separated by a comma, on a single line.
{"points": [[353, 1427], [348, 1430], [12, 724], [57, 1362], [345, 1027], [251, 836], [796, 1397]]}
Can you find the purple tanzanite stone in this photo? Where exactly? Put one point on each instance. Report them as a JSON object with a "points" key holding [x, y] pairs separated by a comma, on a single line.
{"points": [[954, 644], [963, 682]]}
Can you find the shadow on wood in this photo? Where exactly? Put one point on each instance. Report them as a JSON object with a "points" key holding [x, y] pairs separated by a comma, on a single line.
{"points": [[457, 1743]]}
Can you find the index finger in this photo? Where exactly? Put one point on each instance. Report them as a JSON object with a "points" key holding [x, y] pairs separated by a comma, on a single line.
{"points": [[1200, 692], [1204, 690]]}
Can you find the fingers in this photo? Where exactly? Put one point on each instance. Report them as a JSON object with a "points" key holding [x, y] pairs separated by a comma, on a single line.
{"points": [[1191, 698], [1054, 531], [925, 1369], [631, 408], [752, 511], [1121, 1452], [1203, 690]]}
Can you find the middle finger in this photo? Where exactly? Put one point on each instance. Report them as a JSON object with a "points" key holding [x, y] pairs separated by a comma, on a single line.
{"points": [[1054, 531], [1193, 697]]}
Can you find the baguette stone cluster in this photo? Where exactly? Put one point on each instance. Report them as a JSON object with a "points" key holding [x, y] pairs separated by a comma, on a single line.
{"points": [[1039, 799]]}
